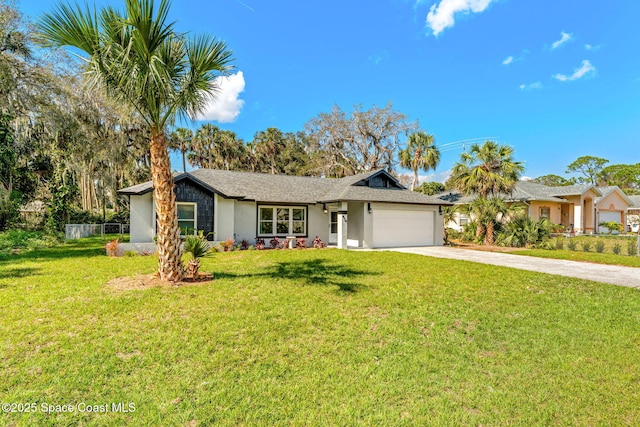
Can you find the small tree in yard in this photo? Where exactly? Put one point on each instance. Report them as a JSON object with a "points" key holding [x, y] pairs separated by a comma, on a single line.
{"points": [[196, 247], [142, 61]]}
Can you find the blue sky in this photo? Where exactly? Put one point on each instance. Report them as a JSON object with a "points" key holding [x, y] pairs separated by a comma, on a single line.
{"points": [[555, 79]]}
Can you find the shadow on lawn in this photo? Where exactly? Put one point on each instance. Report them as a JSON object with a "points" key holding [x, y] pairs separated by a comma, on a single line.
{"points": [[63, 251], [317, 272], [17, 272]]}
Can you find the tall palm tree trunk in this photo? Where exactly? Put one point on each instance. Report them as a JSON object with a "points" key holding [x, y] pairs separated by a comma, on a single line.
{"points": [[489, 239], [414, 184], [169, 256]]}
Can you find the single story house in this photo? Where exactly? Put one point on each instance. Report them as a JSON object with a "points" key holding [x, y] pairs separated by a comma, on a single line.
{"points": [[580, 208], [368, 210]]}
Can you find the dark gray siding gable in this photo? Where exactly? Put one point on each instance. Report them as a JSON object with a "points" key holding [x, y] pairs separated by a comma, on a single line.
{"points": [[186, 191]]}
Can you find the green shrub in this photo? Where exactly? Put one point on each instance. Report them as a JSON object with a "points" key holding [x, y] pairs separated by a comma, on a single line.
{"points": [[612, 226], [469, 233], [131, 254], [523, 231], [586, 246], [599, 246], [22, 239], [572, 244], [559, 244], [632, 247], [617, 248]]}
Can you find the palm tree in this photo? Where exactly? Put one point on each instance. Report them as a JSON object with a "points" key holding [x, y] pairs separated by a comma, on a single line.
{"points": [[180, 139], [195, 247], [489, 210], [420, 154], [204, 145], [487, 169], [268, 144], [142, 61]]}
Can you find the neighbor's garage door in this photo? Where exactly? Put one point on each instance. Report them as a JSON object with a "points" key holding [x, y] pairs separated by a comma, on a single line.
{"points": [[608, 216], [408, 226]]}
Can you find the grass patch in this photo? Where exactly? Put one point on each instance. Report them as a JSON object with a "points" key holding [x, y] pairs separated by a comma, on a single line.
{"points": [[316, 337], [598, 258], [613, 250]]}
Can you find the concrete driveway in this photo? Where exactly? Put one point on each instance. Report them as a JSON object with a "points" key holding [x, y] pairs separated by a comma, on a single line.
{"points": [[613, 274]]}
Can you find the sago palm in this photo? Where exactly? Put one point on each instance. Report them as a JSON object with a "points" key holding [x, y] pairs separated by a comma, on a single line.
{"points": [[421, 154], [142, 61], [195, 247]]}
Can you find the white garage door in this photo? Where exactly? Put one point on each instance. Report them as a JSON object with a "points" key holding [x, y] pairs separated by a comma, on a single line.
{"points": [[607, 216], [402, 227]]}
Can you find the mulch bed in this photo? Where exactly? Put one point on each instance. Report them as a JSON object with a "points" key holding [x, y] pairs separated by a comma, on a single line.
{"points": [[148, 281], [475, 247]]}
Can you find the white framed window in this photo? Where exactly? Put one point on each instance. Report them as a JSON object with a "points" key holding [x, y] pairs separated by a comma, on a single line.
{"points": [[187, 217], [282, 220]]}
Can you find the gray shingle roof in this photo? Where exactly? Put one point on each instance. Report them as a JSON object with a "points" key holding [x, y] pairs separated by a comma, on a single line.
{"points": [[295, 189], [526, 191], [635, 202]]}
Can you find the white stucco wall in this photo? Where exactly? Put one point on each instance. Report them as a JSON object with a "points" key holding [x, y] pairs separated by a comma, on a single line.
{"points": [[245, 223], [223, 223], [355, 228], [142, 217], [317, 225]]}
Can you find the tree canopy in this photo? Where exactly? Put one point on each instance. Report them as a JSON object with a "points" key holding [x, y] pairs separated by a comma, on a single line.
{"points": [[346, 144], [421, 154], [588, 167], [487, 170]]}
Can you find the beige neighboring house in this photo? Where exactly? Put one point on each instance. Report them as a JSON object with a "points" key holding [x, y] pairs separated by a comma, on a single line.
{"points": [[633, 215], [579, 208], [611, 206]]}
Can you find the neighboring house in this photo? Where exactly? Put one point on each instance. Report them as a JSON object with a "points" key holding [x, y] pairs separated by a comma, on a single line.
{"points": [[633, 215], [611, 206], [368, 210], [579, 208]]}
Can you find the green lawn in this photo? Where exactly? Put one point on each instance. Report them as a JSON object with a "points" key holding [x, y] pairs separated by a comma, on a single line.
{"points": [[598, 258], [579, 254], [316, 337]]}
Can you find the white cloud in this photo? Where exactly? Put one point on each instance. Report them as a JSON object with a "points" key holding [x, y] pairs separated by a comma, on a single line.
{"points": [[508, 60], [564, 37], [531, 86], [441, 16], [585, 69], [226, 106], [441, 177], [592, 47]]}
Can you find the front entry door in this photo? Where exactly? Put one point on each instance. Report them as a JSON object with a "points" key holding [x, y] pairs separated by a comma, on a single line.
{"points": [[333, 227]]}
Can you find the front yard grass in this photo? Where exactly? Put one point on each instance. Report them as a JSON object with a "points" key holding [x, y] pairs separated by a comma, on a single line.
{"points": [[577, 255], [605, 257], [315, 337]]}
